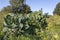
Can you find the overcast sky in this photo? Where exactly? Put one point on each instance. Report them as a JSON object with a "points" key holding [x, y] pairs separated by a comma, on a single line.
{"points": [[47, 5]]}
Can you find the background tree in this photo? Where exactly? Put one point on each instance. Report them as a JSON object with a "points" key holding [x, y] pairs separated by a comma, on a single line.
{"points": [[7, 9], [47, 15], [57, 9], [17, 3], [19, 6]]}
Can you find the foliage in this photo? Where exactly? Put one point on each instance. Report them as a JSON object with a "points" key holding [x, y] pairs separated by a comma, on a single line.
{"points": [[52, 32], [27, 24]]}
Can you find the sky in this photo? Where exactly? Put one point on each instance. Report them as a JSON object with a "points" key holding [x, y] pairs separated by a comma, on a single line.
{"points": [[35, 5]]}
